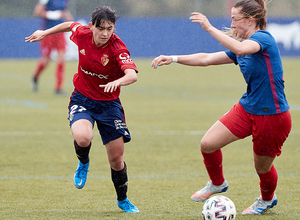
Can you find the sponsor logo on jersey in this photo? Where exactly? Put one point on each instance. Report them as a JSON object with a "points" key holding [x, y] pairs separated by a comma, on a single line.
{"points": [[125, 58], [82, 51], [104, 60], [100, 76]]}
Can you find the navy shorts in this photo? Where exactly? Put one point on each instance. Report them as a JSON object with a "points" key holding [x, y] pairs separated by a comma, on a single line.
{"points": [[109, 116]]}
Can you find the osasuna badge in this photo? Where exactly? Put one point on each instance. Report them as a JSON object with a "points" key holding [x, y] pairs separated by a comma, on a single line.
{"points": [[104, 60]]}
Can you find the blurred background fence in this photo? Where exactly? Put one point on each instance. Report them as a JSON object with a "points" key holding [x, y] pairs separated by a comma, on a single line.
{"points": [[152, 8], [150, 27]]}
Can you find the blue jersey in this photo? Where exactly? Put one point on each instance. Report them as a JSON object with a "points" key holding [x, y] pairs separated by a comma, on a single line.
{"points": [[263, 74], [53, 5]]}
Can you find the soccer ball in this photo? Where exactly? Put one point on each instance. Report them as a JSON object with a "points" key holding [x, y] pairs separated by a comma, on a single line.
{"points": [[218, 208]]}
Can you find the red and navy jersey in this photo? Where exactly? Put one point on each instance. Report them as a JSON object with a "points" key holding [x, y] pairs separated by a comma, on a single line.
{"points": [[263, 73], [53, 5], [99, 65]]}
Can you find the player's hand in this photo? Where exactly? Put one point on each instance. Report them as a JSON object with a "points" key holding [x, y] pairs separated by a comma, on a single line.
{"points": [[161, 60], [111, 86], [201, 19], [36, 36]]}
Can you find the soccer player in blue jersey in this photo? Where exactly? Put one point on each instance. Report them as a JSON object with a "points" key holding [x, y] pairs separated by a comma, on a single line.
{"points": [[262, 111], [53, 12]]}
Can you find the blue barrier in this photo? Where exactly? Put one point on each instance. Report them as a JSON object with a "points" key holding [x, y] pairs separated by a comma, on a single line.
{"points": [[13, 32], [150, 37]]}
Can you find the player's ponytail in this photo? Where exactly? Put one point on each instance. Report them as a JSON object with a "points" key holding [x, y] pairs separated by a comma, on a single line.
{"points": [[256, 9]]}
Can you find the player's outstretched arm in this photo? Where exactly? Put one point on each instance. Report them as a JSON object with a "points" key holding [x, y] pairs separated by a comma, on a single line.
{"points": [[39, 34], [197, 59]]}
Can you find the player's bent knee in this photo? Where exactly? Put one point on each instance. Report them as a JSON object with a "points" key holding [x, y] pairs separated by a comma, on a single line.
{"points": [[116, 164], [83, 140], [207, 146], [204, 146]]}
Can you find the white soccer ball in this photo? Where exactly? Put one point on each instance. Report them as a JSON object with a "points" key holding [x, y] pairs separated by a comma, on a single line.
{"points": [[218, 208]]}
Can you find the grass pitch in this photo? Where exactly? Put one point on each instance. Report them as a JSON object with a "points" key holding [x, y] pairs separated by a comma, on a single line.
{"points": [[167, 111]]}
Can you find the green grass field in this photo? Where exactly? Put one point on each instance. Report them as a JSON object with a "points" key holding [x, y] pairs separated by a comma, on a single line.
{"points": [[167, 111]]}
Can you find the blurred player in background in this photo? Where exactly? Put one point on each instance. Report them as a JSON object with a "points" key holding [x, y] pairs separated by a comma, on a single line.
{"points": [[53, 12], [104, 66], [262, 112]]}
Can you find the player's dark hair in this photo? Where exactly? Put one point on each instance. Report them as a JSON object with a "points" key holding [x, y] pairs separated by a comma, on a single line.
{"points": [[104, 13], [256, 9]]}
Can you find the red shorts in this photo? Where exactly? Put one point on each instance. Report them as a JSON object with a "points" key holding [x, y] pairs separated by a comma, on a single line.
{"points": [[268, 131], [55, 41]]}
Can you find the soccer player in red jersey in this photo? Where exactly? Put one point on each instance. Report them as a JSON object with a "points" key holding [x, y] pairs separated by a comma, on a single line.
{"points": [[104, 66], [53, 13]]}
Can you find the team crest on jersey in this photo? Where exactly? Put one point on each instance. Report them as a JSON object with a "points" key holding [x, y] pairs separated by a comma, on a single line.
{"points": [[104, 60]]}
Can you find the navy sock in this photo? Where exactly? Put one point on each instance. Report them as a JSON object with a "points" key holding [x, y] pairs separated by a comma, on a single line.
{"points": [[82, 153], [120, 181]]}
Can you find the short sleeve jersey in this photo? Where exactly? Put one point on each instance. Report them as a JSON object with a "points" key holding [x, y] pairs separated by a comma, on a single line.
{"points": [[99, 65], [53, 5], [263, 74]]}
